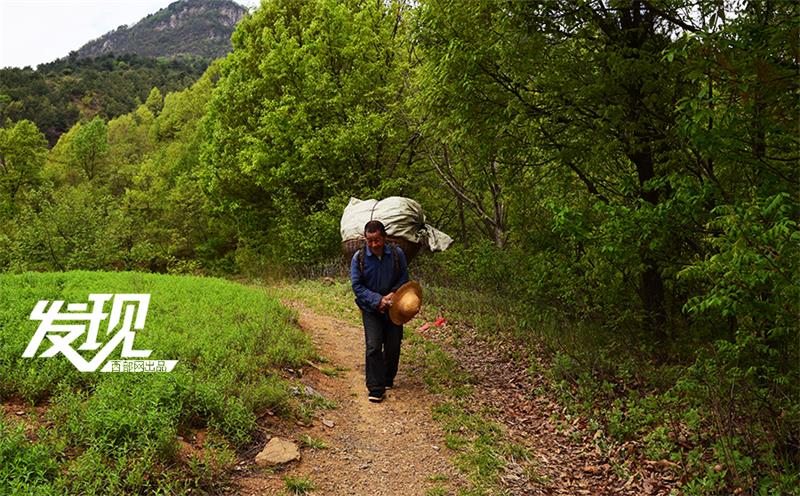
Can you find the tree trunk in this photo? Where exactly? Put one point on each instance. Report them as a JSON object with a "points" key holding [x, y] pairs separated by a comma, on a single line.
{"points": [[651, 288], [462, 221]]}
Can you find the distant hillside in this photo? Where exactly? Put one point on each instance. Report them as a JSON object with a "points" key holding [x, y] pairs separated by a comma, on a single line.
{"points": [[58, 94], [113, 74], [199, 28]]}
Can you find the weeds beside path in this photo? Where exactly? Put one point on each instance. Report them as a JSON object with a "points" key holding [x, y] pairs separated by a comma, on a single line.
{"points": [[566, 454]]}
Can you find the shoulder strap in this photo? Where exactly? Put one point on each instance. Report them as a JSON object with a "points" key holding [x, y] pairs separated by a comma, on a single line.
{"points": [[362, 253], [396, 259]]}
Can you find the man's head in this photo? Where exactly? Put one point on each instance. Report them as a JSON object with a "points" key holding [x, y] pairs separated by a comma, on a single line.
{"points": [[375, 234]]}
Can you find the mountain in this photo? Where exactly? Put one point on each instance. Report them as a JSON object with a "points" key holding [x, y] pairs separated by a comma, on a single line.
{"points": [[195, 28], [58, 94], [113, 74]]}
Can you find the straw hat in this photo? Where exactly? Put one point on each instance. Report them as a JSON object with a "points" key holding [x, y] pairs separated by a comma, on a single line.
{"points": [[406, 303]]}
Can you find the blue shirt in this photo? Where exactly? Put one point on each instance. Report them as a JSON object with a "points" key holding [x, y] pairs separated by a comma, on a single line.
{"points": [[379, 278]]}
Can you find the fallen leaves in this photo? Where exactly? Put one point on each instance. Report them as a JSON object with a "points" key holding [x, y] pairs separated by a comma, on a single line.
{"points": [[567, 455], [597, 470]]}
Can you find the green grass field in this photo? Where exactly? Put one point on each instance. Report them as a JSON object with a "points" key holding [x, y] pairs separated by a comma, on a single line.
{"points": [[101, 433]]}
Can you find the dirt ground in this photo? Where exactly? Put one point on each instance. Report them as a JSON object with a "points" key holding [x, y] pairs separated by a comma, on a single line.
{"points": [[389, 448], [565, 451]]}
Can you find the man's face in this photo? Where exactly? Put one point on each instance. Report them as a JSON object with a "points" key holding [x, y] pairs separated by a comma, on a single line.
{"points": [[375, 241]]}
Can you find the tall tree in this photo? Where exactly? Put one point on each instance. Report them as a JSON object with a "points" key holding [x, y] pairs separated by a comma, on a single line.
{"points": [[307, 113], [578, 90], [23, 150], [90, 146]]}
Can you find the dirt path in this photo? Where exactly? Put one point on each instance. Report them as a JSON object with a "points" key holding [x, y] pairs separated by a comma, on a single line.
{"points": [[391, 448]]}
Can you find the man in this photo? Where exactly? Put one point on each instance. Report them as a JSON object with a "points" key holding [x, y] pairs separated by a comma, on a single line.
{"points": [[375, 276]]}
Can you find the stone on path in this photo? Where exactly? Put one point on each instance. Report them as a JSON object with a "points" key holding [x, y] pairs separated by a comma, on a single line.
{"points": [[278, 451]]}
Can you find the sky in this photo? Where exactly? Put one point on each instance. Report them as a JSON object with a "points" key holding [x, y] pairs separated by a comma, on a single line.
{"points": [[34, 32]]}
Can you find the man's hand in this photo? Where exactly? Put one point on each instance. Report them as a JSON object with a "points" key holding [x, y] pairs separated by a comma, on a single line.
{"points": [[386, 302]]}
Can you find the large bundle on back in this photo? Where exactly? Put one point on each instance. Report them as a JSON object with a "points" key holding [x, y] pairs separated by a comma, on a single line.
{"points": [[404, 221]]}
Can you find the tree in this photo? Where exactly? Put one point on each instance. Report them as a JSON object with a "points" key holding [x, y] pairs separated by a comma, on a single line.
{"points": [[307, 113], [155, 101], [471, 137], [577, 92], [658, 143], [23, 149], [89, 147]]}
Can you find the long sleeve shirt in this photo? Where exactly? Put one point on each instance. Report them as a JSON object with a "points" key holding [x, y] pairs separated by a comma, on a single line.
{"points": [[379, 277]]}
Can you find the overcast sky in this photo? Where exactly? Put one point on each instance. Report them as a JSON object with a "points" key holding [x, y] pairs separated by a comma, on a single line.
{"points": [[33, 32]]}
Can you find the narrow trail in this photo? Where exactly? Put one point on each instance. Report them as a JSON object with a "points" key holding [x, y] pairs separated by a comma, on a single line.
{"points": [[390, 448]]}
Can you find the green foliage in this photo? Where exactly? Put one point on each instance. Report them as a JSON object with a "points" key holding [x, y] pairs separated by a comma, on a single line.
{"points": [[656, 216], [481, 450], [312, 442], [155, 101], [622, 183], [441, 372], [299, 484], [125, 195], [57, 95], [22, 153], [305, 115], [89, 147], [117, 432], [68, 229], [436, 491], [25, 467]]}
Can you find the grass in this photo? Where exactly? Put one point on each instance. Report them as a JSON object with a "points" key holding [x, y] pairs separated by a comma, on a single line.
{"points": [[117, 433], [436, 491], [333, 371], [299, 485], [334, 297], [440, 371], [677, 411], [598, 373], [480, 445], [313, 442]]}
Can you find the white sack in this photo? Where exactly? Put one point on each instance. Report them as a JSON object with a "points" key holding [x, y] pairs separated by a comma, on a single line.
{"points": [[403, 218]]}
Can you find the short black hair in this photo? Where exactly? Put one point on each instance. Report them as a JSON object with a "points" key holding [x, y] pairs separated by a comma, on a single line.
{"points": [[374, 226]]}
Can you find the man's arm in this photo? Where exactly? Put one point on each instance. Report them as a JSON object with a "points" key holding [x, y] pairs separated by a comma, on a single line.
{"points": [[365, 296]]}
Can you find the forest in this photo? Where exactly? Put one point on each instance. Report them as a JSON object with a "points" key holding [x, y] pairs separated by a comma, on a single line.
{"points": [[60, 93], [621, 178]]}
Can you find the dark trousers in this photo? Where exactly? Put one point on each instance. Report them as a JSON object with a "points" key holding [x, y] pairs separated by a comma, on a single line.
{"points": [[383, 339]]}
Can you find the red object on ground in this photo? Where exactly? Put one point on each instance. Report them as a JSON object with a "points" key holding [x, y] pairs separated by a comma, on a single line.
{"points": [[440, 322]]}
